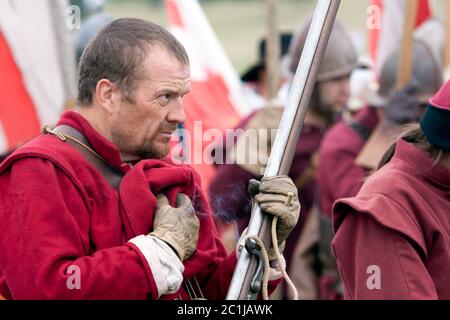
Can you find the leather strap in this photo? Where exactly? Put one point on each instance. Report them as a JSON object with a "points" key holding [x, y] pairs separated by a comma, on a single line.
{"points": [[79, 142], [360, 129]]}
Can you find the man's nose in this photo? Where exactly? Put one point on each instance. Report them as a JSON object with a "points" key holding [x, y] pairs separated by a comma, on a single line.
{"points": [[177, 114]]}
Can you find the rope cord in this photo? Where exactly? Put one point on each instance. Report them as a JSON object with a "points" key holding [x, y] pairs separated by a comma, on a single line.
{"points": [[279, 259], [281, 263]]}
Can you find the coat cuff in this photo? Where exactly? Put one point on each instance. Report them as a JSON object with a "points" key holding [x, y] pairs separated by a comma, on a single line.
{"points": [[166, 267]]}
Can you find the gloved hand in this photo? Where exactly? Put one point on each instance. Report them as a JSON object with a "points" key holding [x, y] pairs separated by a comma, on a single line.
{"points": [[273, 194], [403, 106], [178, 227]]}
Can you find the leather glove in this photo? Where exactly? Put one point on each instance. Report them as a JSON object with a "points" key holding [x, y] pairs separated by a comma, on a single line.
{"points": [[403, 107], [272, 195], [178, 227]]}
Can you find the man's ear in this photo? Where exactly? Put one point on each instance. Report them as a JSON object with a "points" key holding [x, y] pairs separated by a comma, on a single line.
{"points": [[107, 94]]}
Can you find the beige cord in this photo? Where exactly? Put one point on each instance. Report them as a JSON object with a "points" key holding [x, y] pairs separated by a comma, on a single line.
{"points": [[291, 286], [281, 263]]}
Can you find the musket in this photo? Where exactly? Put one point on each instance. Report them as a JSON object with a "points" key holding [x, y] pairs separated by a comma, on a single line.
{"points": [[246, 281]]}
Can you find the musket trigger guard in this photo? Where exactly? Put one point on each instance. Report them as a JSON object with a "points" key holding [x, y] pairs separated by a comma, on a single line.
{"points": [[254, 248]]}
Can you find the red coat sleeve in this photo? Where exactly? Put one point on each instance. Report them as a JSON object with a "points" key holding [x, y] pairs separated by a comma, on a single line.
{"points": [[376, 262], [45, 242], [338, 174]]}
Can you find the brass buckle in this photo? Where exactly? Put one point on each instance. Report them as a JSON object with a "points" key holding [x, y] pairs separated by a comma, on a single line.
{"points": [[49, 130]]}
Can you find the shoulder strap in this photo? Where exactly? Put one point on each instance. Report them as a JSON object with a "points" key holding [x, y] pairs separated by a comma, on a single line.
{"points": [[74, 138], [360, 129]]}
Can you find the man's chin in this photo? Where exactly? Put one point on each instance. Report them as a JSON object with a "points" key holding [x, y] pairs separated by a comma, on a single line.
{"points": [[340, 107], [154, 153]]}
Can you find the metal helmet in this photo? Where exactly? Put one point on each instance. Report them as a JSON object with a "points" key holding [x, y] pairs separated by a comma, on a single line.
{"points": [[89, 29], [427, 60], [89, 7], [426, 73], [340, 56], [433, 33]]}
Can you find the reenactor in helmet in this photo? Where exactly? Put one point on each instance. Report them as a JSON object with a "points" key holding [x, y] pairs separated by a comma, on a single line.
{"points": [[95, 18], [229, 197]]}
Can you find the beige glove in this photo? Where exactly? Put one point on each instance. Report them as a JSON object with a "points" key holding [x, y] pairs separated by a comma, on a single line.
{"points": [[278, 196], [178, 227]]}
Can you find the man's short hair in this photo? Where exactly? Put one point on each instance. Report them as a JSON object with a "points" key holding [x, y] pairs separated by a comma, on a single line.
{"points": [[118, 52]]}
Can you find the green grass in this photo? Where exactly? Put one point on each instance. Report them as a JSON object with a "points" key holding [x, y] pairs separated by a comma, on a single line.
{"points": [[240, 24]]}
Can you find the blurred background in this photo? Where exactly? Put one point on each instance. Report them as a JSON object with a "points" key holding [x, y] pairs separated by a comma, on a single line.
{"points": [[239, 24], [232, 76], [41, 41]]}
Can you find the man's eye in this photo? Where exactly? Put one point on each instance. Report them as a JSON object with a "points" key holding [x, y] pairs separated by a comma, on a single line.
{"points": [[164, 99]]}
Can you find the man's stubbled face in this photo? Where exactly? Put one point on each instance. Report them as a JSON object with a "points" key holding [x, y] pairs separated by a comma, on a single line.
{"points": [[335, 93], [144, 128]]}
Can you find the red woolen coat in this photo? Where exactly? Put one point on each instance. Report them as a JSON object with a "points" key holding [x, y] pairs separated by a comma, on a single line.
{"points": [[57, 211], [397, 229], [338, 175]]}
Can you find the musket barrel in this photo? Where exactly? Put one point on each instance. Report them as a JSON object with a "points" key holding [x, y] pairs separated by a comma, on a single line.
{"points": [[290, 127]]}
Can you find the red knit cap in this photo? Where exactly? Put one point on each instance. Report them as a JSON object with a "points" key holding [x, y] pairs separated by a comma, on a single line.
{"points": [[435, 121], [442, 99]]}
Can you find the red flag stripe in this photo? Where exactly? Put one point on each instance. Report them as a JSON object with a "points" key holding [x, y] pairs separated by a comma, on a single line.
{"points": [[375, 35], [209, 98], [173, 13], [17, 111], [423, 12]]}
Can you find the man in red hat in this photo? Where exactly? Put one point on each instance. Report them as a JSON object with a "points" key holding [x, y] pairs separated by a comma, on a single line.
{"points": [[392, 238], [93, 209]]}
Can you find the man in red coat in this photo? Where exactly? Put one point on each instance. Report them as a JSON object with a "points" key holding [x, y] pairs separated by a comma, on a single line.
{"points": [[392, 238], [91, 210]]}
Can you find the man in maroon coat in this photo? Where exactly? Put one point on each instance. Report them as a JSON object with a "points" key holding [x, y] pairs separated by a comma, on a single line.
{"points": [[392, 238], [92, 209], [352, 148]]}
